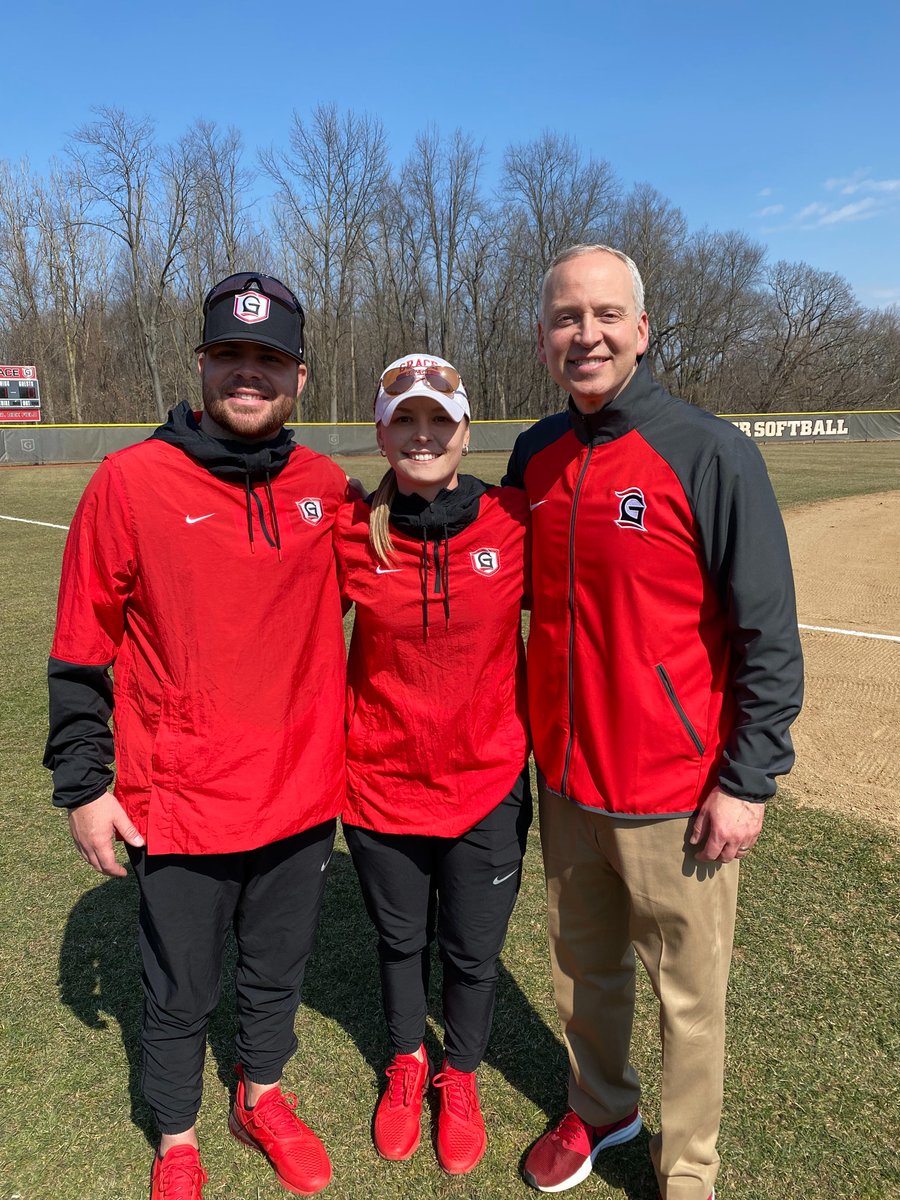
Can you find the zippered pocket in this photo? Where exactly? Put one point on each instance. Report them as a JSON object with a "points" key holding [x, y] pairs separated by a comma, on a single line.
{"points": [[676, 704]]}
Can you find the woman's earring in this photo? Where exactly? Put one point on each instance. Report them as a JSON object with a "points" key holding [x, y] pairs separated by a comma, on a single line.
{"points": [[465, 449], [382, 453]]}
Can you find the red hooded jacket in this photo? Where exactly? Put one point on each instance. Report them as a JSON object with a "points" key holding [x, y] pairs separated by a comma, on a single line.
{"points": [[227, 653], [436, 701]]}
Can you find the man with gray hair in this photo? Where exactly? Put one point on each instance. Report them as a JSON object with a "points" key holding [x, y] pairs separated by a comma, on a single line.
{"points": [[664, 671]]}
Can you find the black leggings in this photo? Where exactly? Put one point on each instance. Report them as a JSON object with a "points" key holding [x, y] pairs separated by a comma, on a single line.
{"points": [[466, 885], [271, 896]]}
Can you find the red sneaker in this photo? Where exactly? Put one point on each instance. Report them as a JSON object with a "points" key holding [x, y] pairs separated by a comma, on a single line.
{"points": [[564, 1157], [461, 1139], [273, 1128], [397, 1126], [178, 1175]]}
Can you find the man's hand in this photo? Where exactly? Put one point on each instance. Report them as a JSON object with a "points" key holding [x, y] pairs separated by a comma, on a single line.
{"points": [[93, 827], [725, 827]]}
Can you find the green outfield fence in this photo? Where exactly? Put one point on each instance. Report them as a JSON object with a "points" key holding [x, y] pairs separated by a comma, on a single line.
{"points": [[21, 445]]}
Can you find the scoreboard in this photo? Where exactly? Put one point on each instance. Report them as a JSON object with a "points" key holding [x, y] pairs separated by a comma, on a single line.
{"points": [[20, 394]]}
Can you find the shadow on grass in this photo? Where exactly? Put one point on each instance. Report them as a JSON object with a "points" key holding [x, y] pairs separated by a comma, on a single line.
{"points": [[100, 978], [100, 975]]}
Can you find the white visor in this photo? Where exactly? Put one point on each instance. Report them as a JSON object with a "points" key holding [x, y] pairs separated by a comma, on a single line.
{"points": [[455, 404]]}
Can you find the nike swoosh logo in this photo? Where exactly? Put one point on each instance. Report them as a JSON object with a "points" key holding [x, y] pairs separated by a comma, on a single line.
{"points": [[326, 862], [504, 878], [194, 520], [387, 570], [537, 504]]}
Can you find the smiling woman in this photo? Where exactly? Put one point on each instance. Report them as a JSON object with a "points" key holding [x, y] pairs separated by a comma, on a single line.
{"points": [[438, 802], [424, 446]]}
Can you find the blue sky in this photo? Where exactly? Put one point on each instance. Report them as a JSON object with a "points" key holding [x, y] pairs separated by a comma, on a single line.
{"points": [[776, 118]]}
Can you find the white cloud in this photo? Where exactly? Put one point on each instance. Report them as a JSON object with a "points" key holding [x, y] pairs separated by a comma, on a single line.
{"points": [[766, 192], [816, 209], [870, 198], [861, 181], [850, 212]]}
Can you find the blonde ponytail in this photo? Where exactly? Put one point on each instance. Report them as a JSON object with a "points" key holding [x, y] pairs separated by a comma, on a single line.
{"points": [[379, 518]]}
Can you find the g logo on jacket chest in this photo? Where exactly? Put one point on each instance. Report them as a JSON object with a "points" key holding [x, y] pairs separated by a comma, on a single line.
{"points": [[310, 510], [485, 561], [632, 507]]}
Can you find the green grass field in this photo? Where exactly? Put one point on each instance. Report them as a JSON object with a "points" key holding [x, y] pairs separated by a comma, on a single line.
{"points": [[812, 1093]]}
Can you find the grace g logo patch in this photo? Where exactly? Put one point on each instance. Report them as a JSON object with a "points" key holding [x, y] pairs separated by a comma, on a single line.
{"points": [[632, 507], [485, 562], [251, 307], [310, 510]]}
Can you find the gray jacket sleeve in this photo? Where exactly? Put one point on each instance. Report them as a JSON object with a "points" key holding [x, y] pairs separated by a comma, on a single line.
{"points": [[746, 552]]}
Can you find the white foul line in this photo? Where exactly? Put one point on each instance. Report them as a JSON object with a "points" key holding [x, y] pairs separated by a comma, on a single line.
{"points": [[881, 637], [25, 521]]}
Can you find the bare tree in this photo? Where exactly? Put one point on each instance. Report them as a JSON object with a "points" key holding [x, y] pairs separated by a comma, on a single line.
{"points": [[141, 195], [713, 308], [21, 285], [565, 198], [810, 345], [72, 250], [440, 189], [393, 270], [330, 187]]}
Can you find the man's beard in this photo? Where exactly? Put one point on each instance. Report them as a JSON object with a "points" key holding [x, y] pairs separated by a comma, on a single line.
{"points": [[248, 426]]}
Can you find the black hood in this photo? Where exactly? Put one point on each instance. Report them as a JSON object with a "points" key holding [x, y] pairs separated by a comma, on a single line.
{"points": [[234, 462], [225, 458], [449, 513], [437, 521]]}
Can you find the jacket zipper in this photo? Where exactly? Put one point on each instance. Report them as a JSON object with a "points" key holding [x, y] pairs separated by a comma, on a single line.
{"points": [[676, 704], [565, 774]]}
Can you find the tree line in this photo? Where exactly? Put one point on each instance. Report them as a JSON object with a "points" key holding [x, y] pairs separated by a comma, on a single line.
{"points": [[105, 260]]}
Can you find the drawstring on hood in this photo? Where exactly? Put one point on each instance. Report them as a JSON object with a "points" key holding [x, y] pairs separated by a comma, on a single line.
{"points": [[437, 521], [236, 462]]}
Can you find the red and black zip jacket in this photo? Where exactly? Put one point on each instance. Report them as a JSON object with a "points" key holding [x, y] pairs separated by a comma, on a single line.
{"points": [[436, 698], [664, 657]]}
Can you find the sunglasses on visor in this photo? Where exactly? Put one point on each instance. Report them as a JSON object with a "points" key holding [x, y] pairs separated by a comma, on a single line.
{"points": [[267, 284], [400, 379]]}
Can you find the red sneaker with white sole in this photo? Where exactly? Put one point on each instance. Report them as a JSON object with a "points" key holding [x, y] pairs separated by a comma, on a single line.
{"points": [[565, 1156]]}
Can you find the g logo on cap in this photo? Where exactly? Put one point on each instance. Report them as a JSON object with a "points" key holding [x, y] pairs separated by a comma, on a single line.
{"points": [[251, 307]]}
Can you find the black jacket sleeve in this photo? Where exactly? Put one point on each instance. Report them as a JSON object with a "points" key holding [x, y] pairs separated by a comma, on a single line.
{"points": [[747, 555], [80, 742], [515, 472]]}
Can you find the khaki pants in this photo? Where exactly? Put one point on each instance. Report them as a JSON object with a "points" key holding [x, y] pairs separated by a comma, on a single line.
{"points": [[616, 887]]}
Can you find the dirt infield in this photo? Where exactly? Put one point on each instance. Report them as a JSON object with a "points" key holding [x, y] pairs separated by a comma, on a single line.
{"points": [[846, 557]]}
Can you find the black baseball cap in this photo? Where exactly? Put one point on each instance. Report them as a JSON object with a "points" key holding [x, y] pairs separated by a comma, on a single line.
{"points": [[252, 307]]}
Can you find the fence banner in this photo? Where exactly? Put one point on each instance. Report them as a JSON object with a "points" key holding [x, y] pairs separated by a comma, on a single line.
{"points": [[89, 443], [819, 427]]}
